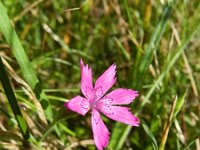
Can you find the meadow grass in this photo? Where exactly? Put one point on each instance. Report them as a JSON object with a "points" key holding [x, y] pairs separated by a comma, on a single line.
{"points": [[155, 45]]}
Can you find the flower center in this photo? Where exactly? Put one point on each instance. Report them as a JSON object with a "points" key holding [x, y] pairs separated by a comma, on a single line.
{"points": [[96, 96], [93, 102]]}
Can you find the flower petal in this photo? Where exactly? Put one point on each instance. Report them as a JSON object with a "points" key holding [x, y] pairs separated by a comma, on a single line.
{"points": [[119, 113], [100, 131], [120, 96], [86, 80], [78, 104], [105, 81]]}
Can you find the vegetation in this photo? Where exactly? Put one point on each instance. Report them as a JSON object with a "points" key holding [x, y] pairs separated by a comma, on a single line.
{"points": [[155, 45]]}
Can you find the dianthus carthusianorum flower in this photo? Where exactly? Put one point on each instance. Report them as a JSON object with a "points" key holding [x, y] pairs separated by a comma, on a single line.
{"points": [[108, 105]]}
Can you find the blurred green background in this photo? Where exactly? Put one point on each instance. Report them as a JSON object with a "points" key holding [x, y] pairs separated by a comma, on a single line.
{"points": [[155, 45]]}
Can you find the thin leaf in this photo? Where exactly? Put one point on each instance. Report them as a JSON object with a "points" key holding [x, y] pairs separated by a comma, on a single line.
{"points": [[21, 57], [191, 143], [60, 117], [124, 52], [16, 47], [147, 130], [179, 104], [13, 102], [153, 44]]}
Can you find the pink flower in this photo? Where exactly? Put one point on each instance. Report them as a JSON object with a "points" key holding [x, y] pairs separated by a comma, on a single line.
{"points": [[108, 105]]}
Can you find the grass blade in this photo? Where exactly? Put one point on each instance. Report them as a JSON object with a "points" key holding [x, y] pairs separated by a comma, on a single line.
{"points": [[153, 44], [179, 104], [123, 133], [191, 143], [130, 20], [147, 130], [6, 136], [143, 67], [60, 117], [170, 65], [163, 74], [167, 128], [16, 47], [13, 102], [22, 59]]}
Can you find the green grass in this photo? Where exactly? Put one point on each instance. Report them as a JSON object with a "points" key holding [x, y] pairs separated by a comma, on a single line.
{"points": [[155, 45], [13, 102]]}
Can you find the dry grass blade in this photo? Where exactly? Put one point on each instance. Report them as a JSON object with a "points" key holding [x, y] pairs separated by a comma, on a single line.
{"points": [[180, 134], [197, 144], [187, 65], [31, 124], [166, 130], [9, 146], [27, 89], [77, 8], [6, 136], [34, 4], [80, 143]]}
